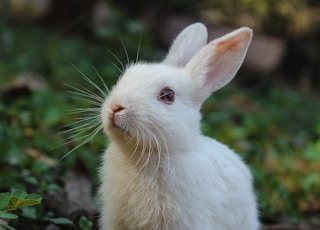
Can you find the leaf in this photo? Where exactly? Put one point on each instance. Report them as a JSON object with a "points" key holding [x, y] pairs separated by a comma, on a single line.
{"points": [[31, 199], [15, 203], [32, 180], [19, 193], [61, 220], [7, 227], [24, 200], [30, 213], [27, 203], [7, 215], [4, 200], [33, 196], [84, 223]]}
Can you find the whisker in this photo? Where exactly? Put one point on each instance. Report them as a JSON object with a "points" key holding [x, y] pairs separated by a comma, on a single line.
{"points": [[101, 79], [89, 136], [88, 117], [76, 136], [130, 139], [146, 162], [165, 129], [159, 128], [79, 134], [119, 61], [139, 46], [83, 110], [151, 140], [86, 120], [76, 132], [150, 152], [159, 153], [91, 122], [89, 101], [83, 92], [114, 65], [159, 149], [145, 147], [136, 144], [143, 150], [89, 92], [125, 51], [88, 97], [89, 80]]}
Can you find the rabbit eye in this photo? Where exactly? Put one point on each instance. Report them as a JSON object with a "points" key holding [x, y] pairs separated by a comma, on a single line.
{"points": [[166, 96]]}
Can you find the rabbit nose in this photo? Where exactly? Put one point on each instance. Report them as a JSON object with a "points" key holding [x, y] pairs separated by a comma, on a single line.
{"points": [[115, 109]]}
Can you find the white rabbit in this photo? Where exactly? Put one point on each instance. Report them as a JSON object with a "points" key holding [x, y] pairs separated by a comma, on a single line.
{"points": [[159, 172]]}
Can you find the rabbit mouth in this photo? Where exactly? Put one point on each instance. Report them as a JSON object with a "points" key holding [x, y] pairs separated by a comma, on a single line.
{"points": [[131, 127], [120, 122], [119, 125]]}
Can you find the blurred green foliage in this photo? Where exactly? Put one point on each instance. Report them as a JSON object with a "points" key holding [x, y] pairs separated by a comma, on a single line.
{"points": [[280, 17]]}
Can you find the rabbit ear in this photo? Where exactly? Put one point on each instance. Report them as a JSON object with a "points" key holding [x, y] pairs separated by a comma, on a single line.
{"points": [[217, 63], [187, 44]]}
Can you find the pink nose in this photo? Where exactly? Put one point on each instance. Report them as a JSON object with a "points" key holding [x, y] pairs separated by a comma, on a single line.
{"points": [[115, 108]]}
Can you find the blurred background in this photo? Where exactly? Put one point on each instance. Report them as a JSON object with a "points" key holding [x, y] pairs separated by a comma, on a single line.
{"points": [[269, 114]]}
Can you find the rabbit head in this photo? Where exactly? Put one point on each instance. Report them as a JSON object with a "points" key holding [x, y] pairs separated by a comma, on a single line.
{"points": [[158, 104]]}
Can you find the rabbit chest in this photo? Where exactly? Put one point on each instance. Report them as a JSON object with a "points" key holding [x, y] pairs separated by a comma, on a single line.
{"points": [[143, 200]]}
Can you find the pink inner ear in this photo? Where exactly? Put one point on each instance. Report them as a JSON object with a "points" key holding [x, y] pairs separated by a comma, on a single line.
{"points": [[232, 44], [224, 63], [216, 64]]}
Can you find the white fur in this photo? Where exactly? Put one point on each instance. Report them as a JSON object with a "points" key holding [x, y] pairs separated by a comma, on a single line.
{"points": [[187, 44], [159, 172]]}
